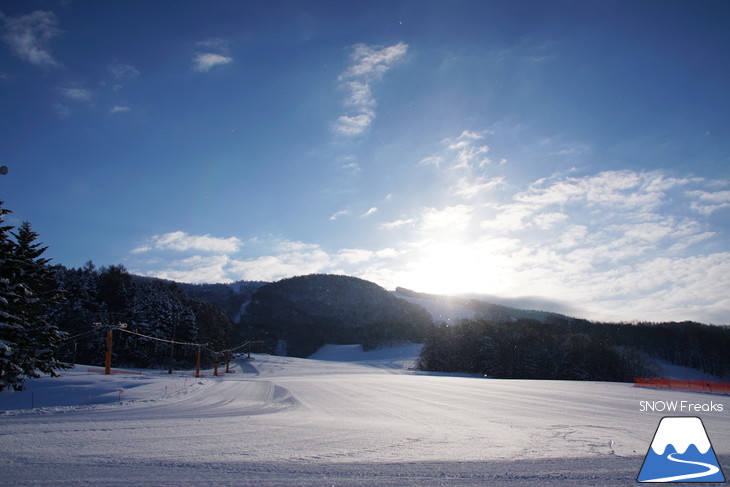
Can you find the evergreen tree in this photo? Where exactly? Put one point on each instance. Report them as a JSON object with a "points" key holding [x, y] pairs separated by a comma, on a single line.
{"points": [[12, 331], [27, 340]]}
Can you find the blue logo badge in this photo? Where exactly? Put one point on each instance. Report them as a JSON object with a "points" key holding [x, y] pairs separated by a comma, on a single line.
{"points": [[681, 452]]}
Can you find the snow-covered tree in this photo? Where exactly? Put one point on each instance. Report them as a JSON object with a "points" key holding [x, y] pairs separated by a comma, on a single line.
{"points": [[28, 291]]}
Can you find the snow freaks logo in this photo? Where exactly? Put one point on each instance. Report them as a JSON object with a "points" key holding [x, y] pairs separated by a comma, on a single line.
{"points": [[680, 452]]}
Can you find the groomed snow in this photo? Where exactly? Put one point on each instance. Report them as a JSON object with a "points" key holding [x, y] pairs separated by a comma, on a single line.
{"points": [[314, 422]]}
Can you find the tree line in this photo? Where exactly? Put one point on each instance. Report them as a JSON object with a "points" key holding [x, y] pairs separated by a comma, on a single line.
{"points": [[97, 299], [526, 349], [573, 349], [52, 316]]}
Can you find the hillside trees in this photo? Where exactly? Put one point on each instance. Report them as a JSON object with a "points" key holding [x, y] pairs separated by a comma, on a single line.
{"points": [[27, 293], [309, 311], [527, 349], [97, 299]]}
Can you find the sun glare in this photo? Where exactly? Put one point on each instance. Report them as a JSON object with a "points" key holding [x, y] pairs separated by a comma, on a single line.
{"points": [[453, 268]]}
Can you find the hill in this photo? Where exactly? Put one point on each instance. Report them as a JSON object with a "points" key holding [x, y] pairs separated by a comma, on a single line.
{"points": [[309, 311], [451, 309]]}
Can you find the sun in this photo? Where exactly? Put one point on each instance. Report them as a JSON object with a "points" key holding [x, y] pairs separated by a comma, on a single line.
{"points": [[452, 268]]}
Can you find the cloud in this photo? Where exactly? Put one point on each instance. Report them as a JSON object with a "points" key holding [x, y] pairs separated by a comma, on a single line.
{"points": [[122, 71], [119, 109], [354, 124], [618, 245], [339, 214], [707, 202], [368, 64], [469, 188], [76, 94], [196, 269], [182, 242], [397, 223], [288, 258], [466, 153], [449, 219], [370, 212], [204, 62], [28, 37], [215, 54]]}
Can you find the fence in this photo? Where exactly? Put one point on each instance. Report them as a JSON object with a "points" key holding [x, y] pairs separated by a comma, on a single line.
{"points": [[122, 327], [712, 387]]}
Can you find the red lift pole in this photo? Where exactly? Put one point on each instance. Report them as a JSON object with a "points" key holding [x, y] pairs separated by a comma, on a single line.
{"points": [[197, 363]]}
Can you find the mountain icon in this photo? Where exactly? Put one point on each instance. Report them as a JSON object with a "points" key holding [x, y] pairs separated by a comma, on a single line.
{"points": [[681, 452]]}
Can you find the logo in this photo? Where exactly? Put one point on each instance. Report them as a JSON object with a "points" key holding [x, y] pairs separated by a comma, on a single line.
{"points": [[681, 452]]}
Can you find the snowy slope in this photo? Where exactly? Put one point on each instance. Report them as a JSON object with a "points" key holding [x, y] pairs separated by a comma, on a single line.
{"points": [[287, 421], [400, 357]]}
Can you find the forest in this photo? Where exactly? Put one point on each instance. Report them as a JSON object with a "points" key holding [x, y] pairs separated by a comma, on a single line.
{"points": [[97, 299], [572, 349]]}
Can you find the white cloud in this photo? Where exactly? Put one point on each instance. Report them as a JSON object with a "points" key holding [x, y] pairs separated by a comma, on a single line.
{"points": [[290, 259], [447, 220], [122, 71], [182, 242], [76, 94], [119, 109], [354, 124], [470, 187], [196, 269], [707, 202], [214, 43], [28, 37], [397, 223], [204, 62], [370, 212], [359, 256], [368, 65], [339, 214], [432, 160]]}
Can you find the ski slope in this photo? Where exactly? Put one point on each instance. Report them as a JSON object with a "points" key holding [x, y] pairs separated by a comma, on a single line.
{"points": [[360, 422]]}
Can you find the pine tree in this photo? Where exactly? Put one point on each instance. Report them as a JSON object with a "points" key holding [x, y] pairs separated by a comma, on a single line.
{"points": [[27, 289], [12, 330]]}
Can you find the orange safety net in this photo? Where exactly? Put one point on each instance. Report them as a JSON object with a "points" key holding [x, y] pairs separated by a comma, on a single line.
{"points": [[685, 385]]}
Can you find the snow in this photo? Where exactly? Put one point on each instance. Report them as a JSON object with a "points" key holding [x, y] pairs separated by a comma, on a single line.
{"points": [[398, 357], [345, 418]]}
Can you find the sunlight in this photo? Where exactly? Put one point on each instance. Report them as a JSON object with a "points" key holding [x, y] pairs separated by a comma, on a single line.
{"points": [[454, 267]]}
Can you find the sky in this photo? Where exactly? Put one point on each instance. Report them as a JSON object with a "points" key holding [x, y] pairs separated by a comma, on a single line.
{"points": [[576, 153]]}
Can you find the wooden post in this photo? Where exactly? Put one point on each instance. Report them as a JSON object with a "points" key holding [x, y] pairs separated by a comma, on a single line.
{"points": [[108, 361], [249, 350], [228, 362], [197, 364], [215, 365]]}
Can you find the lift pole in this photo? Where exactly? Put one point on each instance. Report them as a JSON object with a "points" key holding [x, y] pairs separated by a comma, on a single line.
{"points": [[197, 363], [108, 361]]}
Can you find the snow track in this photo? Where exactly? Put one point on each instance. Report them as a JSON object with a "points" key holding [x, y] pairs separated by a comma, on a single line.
{"points": [[287, 421]]}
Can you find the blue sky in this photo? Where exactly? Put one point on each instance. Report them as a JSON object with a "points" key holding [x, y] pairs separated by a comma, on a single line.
{"points": [[572, 151]]}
